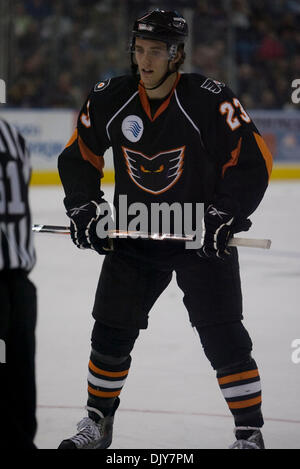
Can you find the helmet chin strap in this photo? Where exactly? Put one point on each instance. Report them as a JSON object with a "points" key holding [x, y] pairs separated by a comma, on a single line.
{"points": [[166, 75]]}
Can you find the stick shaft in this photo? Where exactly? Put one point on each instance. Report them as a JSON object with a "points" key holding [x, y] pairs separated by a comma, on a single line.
{"points": [[250, 242], [113, 234]]}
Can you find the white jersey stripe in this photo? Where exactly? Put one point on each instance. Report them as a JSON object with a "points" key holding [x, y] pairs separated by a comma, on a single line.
{"points": [[121, 108], [9, 230], [8, 139], [188, 117], [17, 142], [26, 166], [23, 231], [2, 146]]}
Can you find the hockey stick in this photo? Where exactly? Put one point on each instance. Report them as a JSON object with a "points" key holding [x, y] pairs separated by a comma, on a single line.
{"points": [[113, 234]]}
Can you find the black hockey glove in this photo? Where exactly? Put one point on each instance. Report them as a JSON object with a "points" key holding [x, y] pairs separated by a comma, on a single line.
{"points": [[84, 219], [218, 227]]}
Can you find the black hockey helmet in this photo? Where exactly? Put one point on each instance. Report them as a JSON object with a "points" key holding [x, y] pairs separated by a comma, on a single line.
{"points": [[161, 25]]}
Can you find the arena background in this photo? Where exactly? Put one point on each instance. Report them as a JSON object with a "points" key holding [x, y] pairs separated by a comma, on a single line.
{"points": [[53, 52]]}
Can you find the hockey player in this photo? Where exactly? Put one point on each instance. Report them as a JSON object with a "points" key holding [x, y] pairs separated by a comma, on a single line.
{"points": [[175, 138]]}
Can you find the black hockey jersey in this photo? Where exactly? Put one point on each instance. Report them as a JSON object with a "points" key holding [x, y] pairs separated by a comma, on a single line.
{"points": [[200, 145]]}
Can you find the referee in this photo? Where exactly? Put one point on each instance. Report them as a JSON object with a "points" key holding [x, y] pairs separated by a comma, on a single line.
{"points": [[18, 305]]}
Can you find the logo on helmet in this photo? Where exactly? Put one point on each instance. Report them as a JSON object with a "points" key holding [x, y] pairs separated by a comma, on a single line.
{"points": [[145, 27], [179, 23]]}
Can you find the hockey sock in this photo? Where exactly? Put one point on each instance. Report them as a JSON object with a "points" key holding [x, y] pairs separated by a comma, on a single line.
{"points": [[105, 382], [241, 388]]}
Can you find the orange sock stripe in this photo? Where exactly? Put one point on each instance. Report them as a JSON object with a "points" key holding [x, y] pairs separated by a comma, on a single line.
{"points": [[107, 394], [111, 374], [238, 377], [243, 404]]}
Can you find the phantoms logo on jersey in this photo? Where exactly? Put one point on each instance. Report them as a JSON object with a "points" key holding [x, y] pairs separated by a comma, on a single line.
{"points": [[155, 174], [132, 128]]}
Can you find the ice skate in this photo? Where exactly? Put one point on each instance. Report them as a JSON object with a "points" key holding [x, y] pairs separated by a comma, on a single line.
{"points": [[92, 434], [254, 441]]}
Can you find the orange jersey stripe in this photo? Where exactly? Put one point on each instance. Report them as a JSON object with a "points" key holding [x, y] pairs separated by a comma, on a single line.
{"points": [[234, 157], [73, 138], [243, 404], [107, 394], [88, 155], [111, 374], [163, 106], [238, 377], [265, 152]]}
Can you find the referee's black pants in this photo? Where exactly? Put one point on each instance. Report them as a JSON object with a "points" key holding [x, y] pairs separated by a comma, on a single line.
{"points": [[18, 315]]}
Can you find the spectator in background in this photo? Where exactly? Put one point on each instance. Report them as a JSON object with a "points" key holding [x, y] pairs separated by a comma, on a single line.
{"points": [[64, 94], [270, 47], [38, 9]]}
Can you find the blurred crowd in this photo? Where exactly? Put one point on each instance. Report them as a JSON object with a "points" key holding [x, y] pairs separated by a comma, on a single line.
{"points": [[266, 35], [61, 48]]}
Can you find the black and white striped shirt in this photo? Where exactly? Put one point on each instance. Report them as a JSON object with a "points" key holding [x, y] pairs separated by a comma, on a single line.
{"points": [[16, 239]]}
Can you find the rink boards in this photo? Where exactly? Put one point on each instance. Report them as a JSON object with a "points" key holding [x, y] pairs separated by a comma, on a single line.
{"points": [[47, 132]]}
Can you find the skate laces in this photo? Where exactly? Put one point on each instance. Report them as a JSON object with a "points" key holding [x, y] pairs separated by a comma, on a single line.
{"points": [[88, 431]]}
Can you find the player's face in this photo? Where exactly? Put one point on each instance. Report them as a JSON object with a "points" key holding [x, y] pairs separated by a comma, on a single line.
{"points": [[152, 60]]}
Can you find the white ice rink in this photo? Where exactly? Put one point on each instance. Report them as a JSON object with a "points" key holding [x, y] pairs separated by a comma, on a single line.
{"points": [[171, 398]]}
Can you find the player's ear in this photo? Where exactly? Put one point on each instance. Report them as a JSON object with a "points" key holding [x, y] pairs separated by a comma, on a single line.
{"points": [[178, 57]]}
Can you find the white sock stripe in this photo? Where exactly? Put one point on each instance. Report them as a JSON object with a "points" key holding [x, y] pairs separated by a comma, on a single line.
{"points": [[242, 391], [103, 383], [246, 428]]}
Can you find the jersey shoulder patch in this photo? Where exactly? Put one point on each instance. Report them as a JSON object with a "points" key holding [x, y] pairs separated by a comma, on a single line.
{"points": [[114, 85], [214, 86], [101, 85], [205, 85]]}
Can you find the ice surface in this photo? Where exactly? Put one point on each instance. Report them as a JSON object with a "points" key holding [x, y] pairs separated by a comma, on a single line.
{"points": [[171, 398]]}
